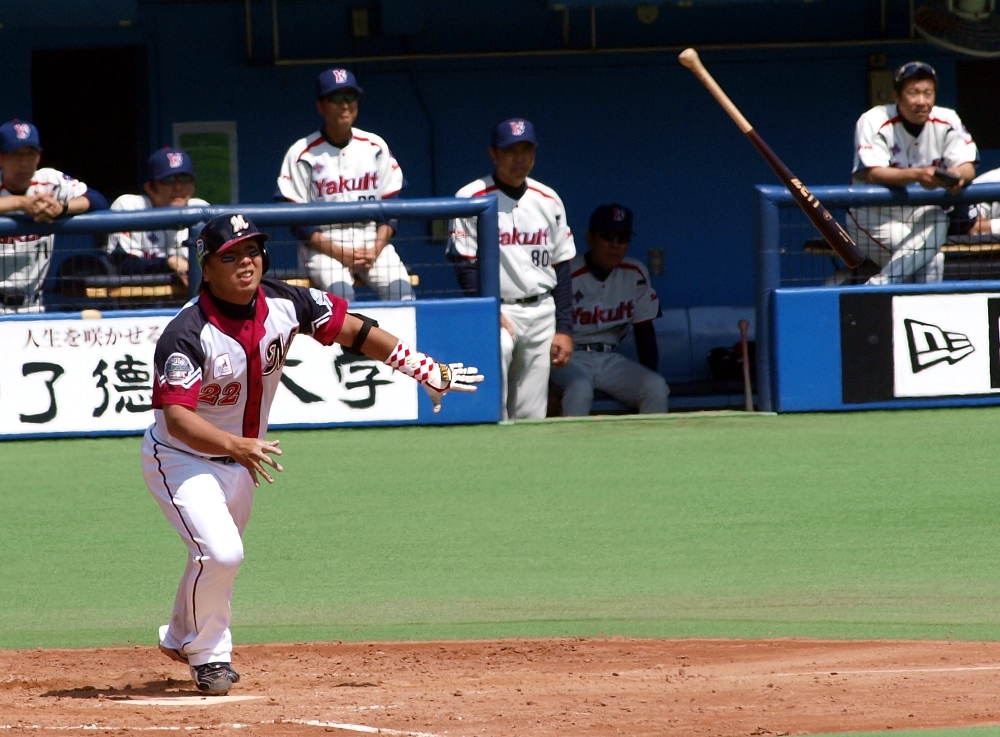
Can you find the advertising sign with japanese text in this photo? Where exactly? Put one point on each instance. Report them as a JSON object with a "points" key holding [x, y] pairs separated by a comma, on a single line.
{"points": [[77, 376]]}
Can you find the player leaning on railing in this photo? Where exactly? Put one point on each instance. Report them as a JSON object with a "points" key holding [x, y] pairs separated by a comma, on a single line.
{"points": [[217, 367]]}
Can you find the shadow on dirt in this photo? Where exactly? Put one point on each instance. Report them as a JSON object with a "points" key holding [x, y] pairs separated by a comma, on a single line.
{"points": [[169, 687]]}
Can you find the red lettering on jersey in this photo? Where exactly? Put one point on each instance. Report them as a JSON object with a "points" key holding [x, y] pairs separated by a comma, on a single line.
{"points": [[210, 393], [516, 238], [597, 315], [231, 394]]}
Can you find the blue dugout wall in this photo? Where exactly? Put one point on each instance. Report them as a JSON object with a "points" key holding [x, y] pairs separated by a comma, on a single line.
{"points": [[830, 348], [72, 374]]}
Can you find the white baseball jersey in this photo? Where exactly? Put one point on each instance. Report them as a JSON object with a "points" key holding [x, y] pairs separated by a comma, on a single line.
{"points": [[603, 310], [534, 235], [881, 139], [227, 370], [314, 170], [151, 243], [24, 259]]}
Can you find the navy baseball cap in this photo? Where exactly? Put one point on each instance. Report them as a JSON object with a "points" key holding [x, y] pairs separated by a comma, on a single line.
{"points": [[335, 79], [913, 70], [224, 232], [611, 217], [514, 130], [168, 161], [16, 134]]}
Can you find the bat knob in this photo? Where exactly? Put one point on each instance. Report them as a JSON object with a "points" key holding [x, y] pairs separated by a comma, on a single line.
{"points": [[689, 58]]}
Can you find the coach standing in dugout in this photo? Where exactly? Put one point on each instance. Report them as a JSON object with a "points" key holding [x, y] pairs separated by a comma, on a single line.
{"points": [[536, 246], [341, 163], [910, 141]]}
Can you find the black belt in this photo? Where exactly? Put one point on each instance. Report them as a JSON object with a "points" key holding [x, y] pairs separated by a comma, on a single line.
{"points": [[598, 347], [527, 300], [223, 459]]}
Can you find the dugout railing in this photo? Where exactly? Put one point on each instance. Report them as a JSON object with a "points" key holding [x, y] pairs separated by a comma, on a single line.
{"points": [[81, 274], [794, 266]]}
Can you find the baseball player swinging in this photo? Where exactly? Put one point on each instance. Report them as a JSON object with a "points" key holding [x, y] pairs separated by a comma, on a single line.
{"points": [[217, 367], [536, 246]]}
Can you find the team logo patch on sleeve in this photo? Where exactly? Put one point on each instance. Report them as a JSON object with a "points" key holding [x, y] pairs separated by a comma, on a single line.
{"points": [[178, 368], [320, 297]]}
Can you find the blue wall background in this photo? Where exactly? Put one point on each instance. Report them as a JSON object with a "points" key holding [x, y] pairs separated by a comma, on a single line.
{"points": [[633, 127]]}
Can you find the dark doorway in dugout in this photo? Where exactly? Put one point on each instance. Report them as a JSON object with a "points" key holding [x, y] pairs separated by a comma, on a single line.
{"points": [[978, 89], [90, 109]]}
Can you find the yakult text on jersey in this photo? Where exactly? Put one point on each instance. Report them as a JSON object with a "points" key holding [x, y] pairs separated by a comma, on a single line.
{"points": [[345, 184]]}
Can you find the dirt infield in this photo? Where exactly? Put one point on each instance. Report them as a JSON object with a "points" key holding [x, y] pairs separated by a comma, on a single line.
{"points": [[586, 687]]}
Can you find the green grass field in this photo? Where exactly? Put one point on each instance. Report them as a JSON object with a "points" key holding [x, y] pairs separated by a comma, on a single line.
{"points": [[880, 524]]}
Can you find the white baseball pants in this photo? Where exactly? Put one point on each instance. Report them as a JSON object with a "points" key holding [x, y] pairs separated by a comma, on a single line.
{"points": [[526, 359], [387, 277], [625, 380], [209, 504], [910, 238]]}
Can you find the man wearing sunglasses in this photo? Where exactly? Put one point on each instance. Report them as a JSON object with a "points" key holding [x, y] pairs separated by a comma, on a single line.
{"points": [[169, 183], [43, 195], [341, 163], [610, 292], [909, 142]]}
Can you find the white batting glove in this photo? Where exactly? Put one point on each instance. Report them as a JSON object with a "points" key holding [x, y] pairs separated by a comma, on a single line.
{"points": [[450, 377]]}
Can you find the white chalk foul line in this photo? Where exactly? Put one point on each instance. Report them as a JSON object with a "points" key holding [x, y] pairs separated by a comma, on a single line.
{"points": [[876, 671], [306, 722]]}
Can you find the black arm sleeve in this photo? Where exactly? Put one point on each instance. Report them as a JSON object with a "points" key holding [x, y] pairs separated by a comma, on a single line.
{"points": [[563, 295], [467, 272], [645, 345]]}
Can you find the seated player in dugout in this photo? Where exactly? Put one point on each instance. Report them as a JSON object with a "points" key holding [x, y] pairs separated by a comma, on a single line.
{"points": [[610, 292], [341, 163], [169, 182], [217, 367], [44, 195]]}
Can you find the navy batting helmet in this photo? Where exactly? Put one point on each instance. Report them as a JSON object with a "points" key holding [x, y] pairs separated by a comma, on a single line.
{"points": [[225, 231]]}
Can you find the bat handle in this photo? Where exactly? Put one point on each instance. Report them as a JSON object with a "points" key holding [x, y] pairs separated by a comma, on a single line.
{"points": [[747, 390]]}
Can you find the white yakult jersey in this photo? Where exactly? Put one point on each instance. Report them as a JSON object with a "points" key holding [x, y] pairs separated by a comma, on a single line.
{"points": [[314, 170], [603, 310], [534, 235], [227, 370], [148, 243], [880, 139], [24, 259]]}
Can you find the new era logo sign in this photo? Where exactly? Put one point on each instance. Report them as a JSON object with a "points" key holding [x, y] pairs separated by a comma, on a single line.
{"points": [[930, 345]]}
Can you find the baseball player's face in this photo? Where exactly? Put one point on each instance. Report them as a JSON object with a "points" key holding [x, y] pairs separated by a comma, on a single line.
{"points": [[608, 247], [339, 111], [514, 163], [173, 191], [915, 100], [235, 274], [19, 167]]}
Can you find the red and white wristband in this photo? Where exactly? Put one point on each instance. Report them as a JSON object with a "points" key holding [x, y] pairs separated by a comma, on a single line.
{"points": [[418, 366]]}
